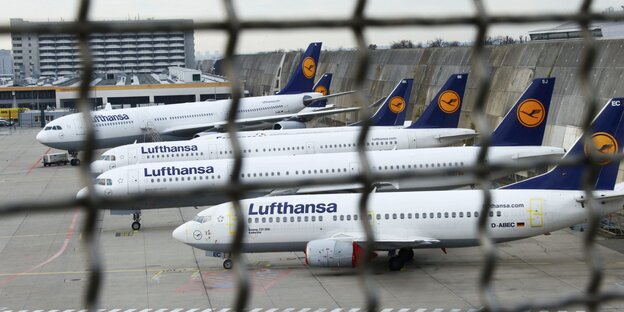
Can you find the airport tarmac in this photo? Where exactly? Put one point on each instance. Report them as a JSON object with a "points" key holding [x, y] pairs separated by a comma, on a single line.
{"points": [[43, 262]]}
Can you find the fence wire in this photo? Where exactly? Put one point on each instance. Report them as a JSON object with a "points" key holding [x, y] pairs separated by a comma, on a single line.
{"points": [[358, 22]]}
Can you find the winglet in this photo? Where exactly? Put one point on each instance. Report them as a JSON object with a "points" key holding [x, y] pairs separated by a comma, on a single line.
{"points": [[607, 138], [444, 109], [302, 79], [394, 109], [322, 86], [525, 123]]}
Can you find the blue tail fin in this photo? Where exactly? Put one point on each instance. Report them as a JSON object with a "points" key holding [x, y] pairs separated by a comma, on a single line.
{"points": [[394, 109], [525, 123], [322, 86], [444, 109], [302, 79], [607, 138]]}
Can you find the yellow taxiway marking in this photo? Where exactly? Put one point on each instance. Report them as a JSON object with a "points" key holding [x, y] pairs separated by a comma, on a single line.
{"points": [[159, 271]]}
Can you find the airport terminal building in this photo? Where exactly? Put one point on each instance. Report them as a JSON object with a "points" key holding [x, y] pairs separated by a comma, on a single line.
{"points": [[49, 55]]}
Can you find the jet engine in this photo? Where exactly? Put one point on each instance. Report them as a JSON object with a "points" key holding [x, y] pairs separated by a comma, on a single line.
{"points": [[289, 124], [332, 253]]}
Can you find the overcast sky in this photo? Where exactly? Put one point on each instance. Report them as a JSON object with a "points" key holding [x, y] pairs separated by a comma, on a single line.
{"points": [[254, 41]]}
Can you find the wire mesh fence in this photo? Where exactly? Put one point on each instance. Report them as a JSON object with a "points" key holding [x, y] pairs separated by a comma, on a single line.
{"points": [[357, 23]]}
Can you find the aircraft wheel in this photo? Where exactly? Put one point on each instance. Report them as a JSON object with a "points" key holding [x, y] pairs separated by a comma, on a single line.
{"points": [[406, 254], [395, 263], [227, 264], [136, 225], [75, 162]]}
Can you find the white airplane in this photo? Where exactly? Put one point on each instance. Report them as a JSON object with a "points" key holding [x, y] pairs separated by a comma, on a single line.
{"points": [[328, 227], [182, 121], [287, 143], [183, 175]]}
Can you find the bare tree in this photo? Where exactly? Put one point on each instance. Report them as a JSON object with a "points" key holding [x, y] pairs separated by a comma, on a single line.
{"points": [[402, 44]]}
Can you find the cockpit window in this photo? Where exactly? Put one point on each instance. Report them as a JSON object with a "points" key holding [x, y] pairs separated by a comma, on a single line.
{"points": [[58, 128], [199, 219], [104, 182], [112, 158], [47, 128], [105, 157]]}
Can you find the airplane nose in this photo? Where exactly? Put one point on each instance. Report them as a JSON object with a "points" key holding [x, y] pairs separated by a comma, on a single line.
{"points": [[97, 167], [179, 233], [41, 137], [82, 193]]}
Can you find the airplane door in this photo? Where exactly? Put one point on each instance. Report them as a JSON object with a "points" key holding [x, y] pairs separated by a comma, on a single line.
{"points": [[132, 155], [133, 181], [79, 126], [536, 215], [309, 148], [212, 151], [354, 168], [413, 143]]}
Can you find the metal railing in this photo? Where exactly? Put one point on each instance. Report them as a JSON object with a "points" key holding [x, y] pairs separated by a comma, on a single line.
{"points": [[358, 22]]}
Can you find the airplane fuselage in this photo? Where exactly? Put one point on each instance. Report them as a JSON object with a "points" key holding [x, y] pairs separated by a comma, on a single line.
{"points": [[288, 223], [260, 144], [171, 122], [172, 176]]}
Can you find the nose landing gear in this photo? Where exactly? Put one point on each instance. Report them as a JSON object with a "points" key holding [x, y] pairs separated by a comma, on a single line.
{"points": [[136, 225], [75, 161]]}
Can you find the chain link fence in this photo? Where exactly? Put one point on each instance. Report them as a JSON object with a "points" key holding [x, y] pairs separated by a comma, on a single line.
{"points": [[357, 23]]}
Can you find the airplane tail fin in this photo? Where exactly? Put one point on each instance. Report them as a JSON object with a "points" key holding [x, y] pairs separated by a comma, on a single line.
{"points": [[322, 86], [444, 109], [607, 139], [525, 123], [394, 109], [302, 79]]}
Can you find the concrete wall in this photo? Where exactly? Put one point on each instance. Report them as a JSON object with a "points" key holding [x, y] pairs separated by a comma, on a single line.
{"points": [[512, 68]]}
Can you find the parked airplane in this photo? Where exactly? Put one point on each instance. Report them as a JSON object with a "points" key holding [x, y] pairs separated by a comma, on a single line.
{"points": [[328, 227], [218, 147], [182, 121], [171, 176]]}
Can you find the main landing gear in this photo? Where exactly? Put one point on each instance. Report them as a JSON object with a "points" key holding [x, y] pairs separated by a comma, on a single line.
{"points": [[136, 225], [75, 161], [396, 262], [228, 264]]}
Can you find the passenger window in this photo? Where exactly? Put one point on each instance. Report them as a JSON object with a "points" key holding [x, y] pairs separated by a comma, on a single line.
{"points": [[335, 218], [341, 218], [298, 219], [461, 214], [424, 216], [355, 217], [394, 216], [453, 215], [305, 218], [257, 220], [313, 218], [431, 215], [320, 218], [476, 214], [416, 215], [263, 220], [446, 214], [387, 216], [292, 219], [348, 217], [402, 216], [498, 213], [270, 219], [439, 215], [249, 220], [468, 214], [378, 217], [409, 215], [491, 214], [285, 219]]}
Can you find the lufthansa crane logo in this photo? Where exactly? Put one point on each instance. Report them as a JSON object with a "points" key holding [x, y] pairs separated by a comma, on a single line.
{"points": [[397, 104], [321, 89], [604, 144], [531, 113], [449, 101], [308, 67]]}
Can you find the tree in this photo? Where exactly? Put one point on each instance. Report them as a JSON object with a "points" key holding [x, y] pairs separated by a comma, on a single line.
{"points": [[372, 46], [402, 44]]}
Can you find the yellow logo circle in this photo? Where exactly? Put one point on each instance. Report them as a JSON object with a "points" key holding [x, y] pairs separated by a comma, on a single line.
{"points": [[449, 101], [397, 104], [604, 144], [531, 113], [308, 66], [321, 89]]}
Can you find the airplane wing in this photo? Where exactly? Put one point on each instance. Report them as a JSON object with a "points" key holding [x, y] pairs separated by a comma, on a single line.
{"points": [[348, 187], [191, 129], [604, 196], [455, 137], [387, 241]]}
